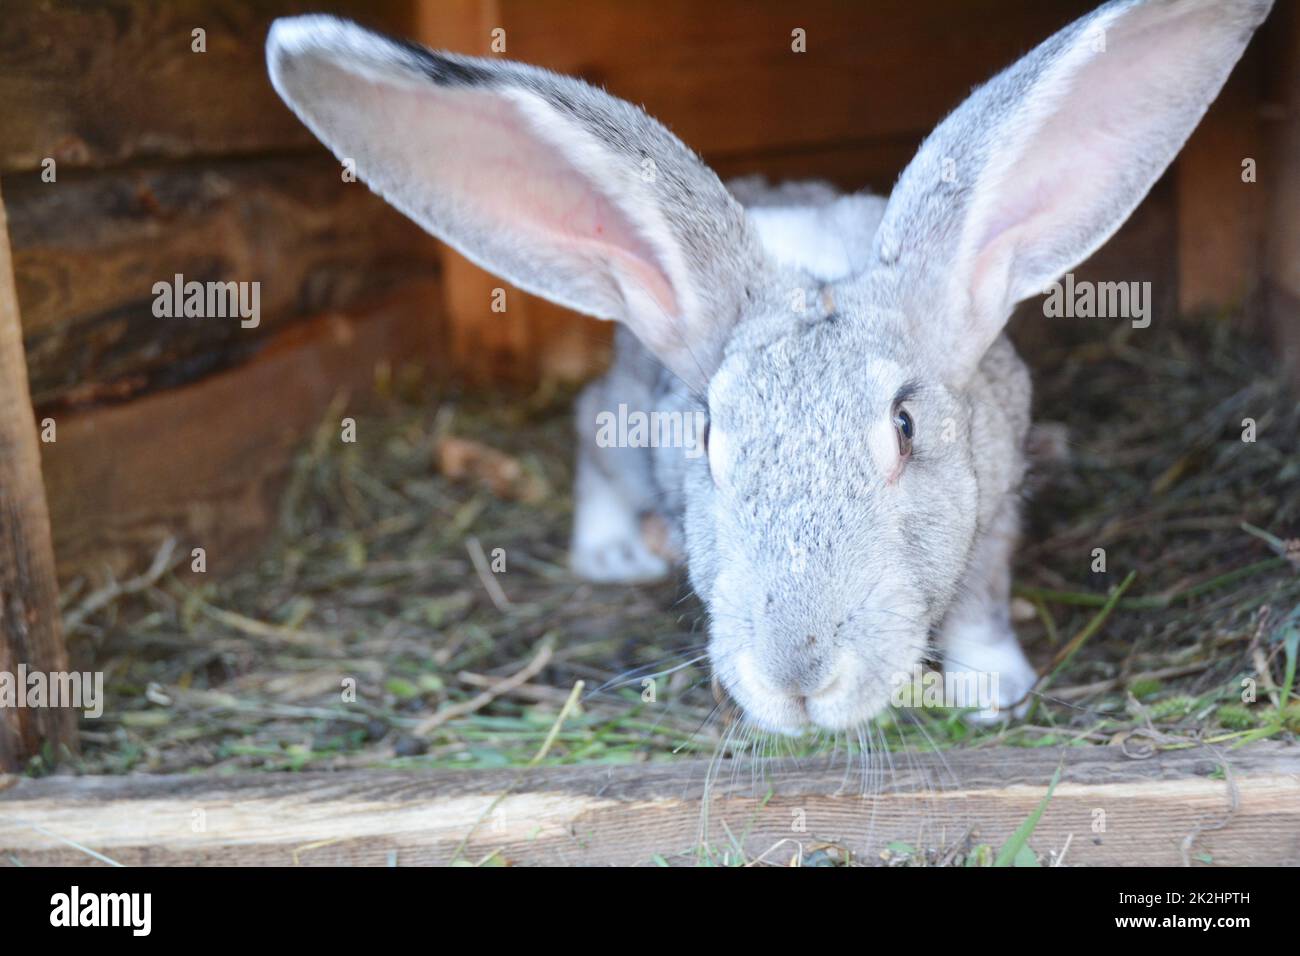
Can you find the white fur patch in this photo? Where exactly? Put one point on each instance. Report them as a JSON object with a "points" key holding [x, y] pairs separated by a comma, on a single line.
{"points": [[830, 241], [607, 545], [983, 647], [720, 455], [882, 443]]}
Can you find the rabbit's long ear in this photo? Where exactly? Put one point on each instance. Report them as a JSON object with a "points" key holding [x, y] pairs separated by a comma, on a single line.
{"points": [[563, 190], [1043, 163]]}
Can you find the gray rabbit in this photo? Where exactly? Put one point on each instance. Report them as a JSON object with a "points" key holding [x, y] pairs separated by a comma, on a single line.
{"points": [[852, 490]]}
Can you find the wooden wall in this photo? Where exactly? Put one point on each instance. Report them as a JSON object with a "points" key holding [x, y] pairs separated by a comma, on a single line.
{"points": [[1281, 110], [168, 160], [171, 161]]}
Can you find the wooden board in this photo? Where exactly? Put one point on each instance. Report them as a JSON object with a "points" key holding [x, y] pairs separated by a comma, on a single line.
{"points": [[1282, 243], [723, 75], [1220, 214], [93, 84], [31, 632], [89, 248], [1109, 809], [205, 462]]}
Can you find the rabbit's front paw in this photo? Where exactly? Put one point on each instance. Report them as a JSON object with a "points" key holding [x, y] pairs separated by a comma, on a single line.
{"points": [[609, 544], [621, 560], [994, 670]]}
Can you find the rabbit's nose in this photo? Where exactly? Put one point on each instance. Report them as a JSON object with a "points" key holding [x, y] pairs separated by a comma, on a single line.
{"points": [[806, 688], [828, 686], [800, 677], [824, 684]]}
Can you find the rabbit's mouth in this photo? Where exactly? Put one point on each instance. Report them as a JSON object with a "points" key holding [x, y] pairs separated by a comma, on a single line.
{"points": [[841, 700]]}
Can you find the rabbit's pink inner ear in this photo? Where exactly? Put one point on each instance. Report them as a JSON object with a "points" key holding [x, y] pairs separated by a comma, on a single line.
{"points": [[469, 165], [504, 176], [1100, 124], [539, 179], [654, 283], [1051, 157]]}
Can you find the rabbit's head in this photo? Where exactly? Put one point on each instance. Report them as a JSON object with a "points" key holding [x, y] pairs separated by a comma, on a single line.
{"points": [[831, 521]]}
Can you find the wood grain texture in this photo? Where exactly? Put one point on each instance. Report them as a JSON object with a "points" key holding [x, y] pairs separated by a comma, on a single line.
{"points": [[31, 631], [94, 84], [628, 815], [205, 462], [1282, 180], [724, 77], [89, 248], [1220, 215]]}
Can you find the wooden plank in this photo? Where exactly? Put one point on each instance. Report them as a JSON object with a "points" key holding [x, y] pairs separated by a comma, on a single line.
{"points": [[89, 248], [205, 462], [1220, 213], [31, 632], [92, 84], [1110, 809], [1282, 178], [723, 75]]}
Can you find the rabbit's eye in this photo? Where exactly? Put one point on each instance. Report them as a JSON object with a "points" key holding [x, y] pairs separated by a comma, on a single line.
{"points": [[903, 422]]}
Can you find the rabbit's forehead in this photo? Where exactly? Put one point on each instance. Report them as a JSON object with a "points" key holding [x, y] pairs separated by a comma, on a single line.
{"points": [[816, 378], [825, 422]]}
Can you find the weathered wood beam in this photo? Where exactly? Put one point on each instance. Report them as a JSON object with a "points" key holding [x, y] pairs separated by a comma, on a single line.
{"points": [[1221, 202], [96, 84], [1282, 177], [89, 248], [725, 78], [30, 627], [1108, 809]]}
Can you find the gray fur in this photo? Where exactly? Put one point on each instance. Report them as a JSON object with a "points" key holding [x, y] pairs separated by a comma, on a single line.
{"points": [[828, 564]]}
